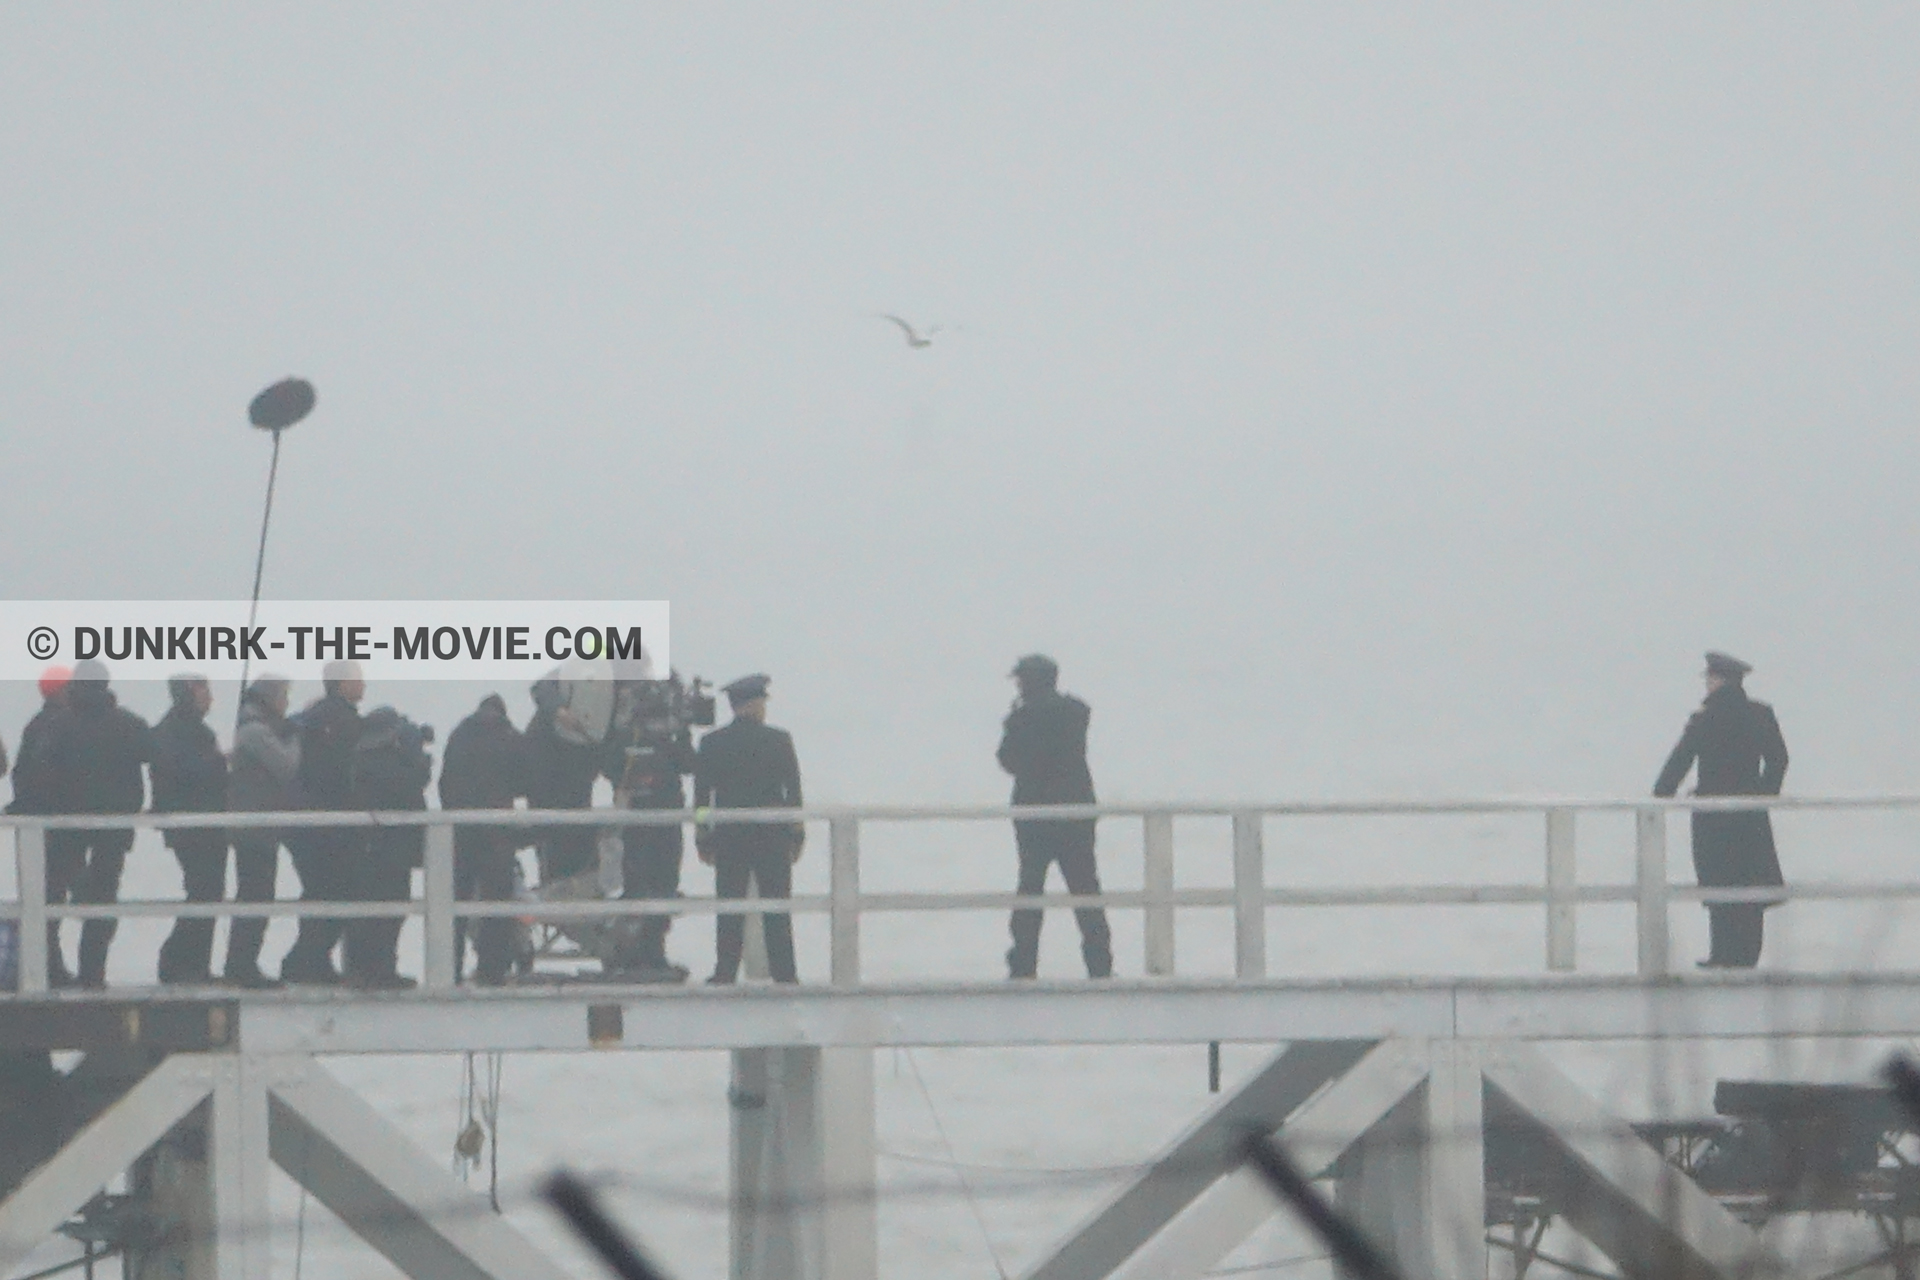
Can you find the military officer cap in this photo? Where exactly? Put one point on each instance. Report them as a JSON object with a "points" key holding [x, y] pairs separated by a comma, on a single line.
{"points": [[746, 689], [1036, 666], [1726, 666]]}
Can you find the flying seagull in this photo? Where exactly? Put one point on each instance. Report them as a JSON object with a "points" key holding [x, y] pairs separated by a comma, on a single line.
{"points": [[915, 339]]}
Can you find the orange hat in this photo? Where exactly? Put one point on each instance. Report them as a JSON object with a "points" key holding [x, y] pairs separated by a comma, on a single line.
{"points": [[53, 680]]}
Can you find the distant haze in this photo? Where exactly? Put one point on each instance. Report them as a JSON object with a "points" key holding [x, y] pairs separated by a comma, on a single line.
{"points": [[1354, 400]]}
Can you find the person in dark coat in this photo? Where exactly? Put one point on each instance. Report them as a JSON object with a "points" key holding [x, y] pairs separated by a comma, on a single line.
{"points": [[1736, 743], [94, 758], [1043, 744], [389, 773], [749, 764], [264, 778], [190, 776], [560, 772], [329, 859], [648, 755], [484, 768], [35, 792]]}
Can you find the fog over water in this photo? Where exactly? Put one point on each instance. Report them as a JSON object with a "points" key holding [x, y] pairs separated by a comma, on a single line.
{"points": [[1355, 403]]}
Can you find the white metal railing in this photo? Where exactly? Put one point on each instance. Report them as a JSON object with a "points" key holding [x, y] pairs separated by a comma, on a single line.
{"points": [[845, 904]]}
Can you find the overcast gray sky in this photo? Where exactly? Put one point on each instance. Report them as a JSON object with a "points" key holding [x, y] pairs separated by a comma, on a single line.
{"points": [[1355, 400]]}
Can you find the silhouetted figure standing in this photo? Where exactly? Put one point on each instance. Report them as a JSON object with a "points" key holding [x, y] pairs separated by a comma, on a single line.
{"points": [[389, 774], [1737, 744], [1044, 746], [561, 770], [329, 859], [648, 756], [95, 751], [749, 764], [483, 768], [264, 777], [190, 776], [36, 790]]}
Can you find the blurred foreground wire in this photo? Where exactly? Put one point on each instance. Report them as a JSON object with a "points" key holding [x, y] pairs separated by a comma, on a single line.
{"points": [[1354, 1251]]}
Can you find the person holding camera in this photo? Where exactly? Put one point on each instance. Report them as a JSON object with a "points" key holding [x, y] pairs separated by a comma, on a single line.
{"points": [[329, 859], [749, 764], [649, 751], [1043, 744]]}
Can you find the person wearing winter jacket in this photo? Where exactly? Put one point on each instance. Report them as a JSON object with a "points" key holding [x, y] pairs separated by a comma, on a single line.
{"points": [[34, 792], [263, 778], [484, 768], [190, 776], [330, 860], [95, 751]]}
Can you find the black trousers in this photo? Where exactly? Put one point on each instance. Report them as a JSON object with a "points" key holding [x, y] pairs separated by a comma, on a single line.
{"points": [[187, 954], [1069, 843], [66, 866], [1735, 931], [764, 858], [373, 942], [483, 872], [91, 861], [256, 865], [330, 862], [650, 859]]}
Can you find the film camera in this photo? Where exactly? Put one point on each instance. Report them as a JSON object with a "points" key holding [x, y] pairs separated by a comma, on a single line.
{"points": [[662, 708], [652, 726]]}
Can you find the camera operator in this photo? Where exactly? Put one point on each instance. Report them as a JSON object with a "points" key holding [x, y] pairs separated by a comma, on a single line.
{"points": [[649, 751], [390, 771]]}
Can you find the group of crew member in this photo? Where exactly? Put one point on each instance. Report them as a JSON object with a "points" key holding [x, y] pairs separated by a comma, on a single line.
{"points": [[83, 753]]}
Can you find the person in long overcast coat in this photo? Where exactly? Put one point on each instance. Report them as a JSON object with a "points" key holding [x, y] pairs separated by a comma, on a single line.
{"points": [[1737, 745]]}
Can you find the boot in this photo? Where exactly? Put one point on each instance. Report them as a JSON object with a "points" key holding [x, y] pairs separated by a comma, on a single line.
{"points": [[95, 937], [58, 975], [1099, 961]]}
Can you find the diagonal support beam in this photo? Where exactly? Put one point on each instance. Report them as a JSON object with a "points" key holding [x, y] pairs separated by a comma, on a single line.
{"points": [[1615, 1190], [377, 1182], [100, 1152], [1197, 1159], [1233, 1207]]}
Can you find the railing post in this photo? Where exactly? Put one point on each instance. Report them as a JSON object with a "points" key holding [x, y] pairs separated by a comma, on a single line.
{"points": [[1650, 889], [1249, 896], [30, 855], [438, 927], [1158, 884], [1562, 881], [843, 839]]}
